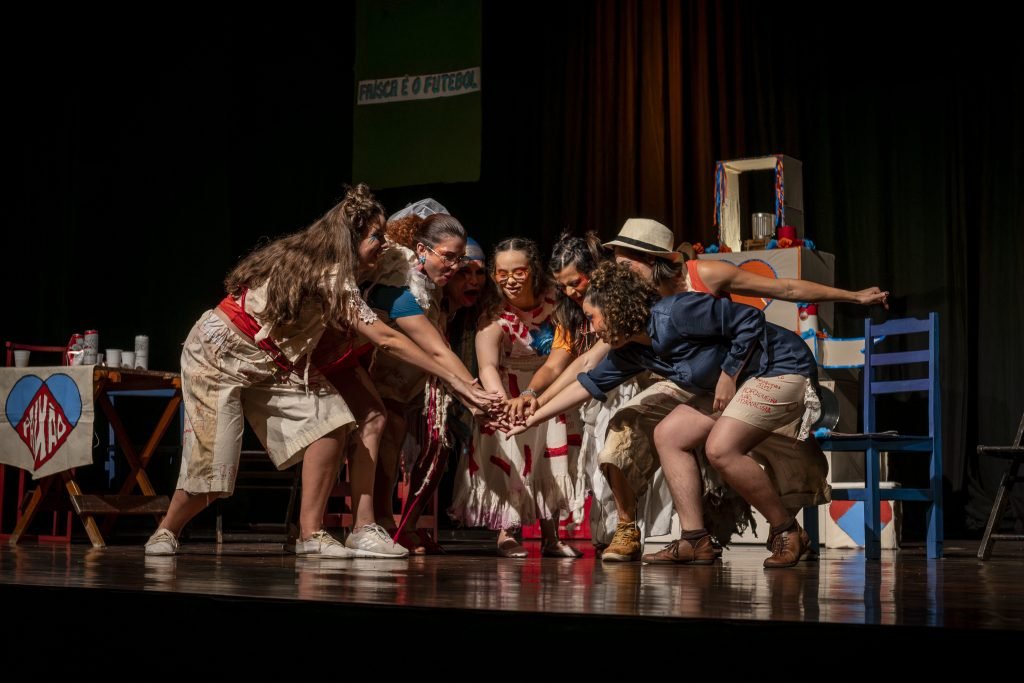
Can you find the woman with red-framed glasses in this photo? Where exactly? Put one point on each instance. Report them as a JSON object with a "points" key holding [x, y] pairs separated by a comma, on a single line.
{"points": [[505, 483]]}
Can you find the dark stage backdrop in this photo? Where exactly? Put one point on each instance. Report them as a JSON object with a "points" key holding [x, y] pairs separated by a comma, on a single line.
{"points": [[142, 162]]}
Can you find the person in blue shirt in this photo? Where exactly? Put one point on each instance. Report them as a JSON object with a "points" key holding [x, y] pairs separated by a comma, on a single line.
{"points": [[758, 376], [426, 247]]}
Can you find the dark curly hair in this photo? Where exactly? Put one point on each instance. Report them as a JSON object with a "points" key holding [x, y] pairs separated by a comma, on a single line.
{"points": [[411, 229], [625, 300]]}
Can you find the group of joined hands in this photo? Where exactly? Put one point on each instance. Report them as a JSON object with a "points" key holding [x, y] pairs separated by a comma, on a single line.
{"points": [[498, 413]]}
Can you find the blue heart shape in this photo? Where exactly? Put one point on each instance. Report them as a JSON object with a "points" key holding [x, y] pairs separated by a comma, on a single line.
{"points": [[852, 522], [64, 391]]}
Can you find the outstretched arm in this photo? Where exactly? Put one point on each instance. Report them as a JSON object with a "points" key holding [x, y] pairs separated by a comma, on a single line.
{"points": [[583, 363], [395, 343], [488, 351], [568, 398], [427, 337], [527, 402], [720, 277]]}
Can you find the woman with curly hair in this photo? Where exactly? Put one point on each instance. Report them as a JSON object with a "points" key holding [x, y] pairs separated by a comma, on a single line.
{"points": [[460, 311], [426, 247], [629, 458], [504, 483], [707, 346], [251, 358]]}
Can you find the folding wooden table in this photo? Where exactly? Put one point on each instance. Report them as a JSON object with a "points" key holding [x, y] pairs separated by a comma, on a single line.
{"points": [[107, 383]]}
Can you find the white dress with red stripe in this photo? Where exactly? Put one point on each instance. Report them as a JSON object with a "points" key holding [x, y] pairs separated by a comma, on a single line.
{"points": [[504, 483]]}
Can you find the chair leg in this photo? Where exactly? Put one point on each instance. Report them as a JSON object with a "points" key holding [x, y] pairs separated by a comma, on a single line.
{"points": [[998, 508], [935, 531], [811, 527], [872, 503]]}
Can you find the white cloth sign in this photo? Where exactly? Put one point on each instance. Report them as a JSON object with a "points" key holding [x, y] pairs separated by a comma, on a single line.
{"points": [[46, 425]]}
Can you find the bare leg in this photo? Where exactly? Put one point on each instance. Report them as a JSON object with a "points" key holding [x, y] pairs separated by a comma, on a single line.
{"points": [[549, 532], [727, 446], [388, 466], [320, 468], [366, 405], [676, 437], [625, 500], [184, 506]]}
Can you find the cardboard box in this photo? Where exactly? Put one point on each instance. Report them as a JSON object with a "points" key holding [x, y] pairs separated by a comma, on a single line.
{"points": [[795, 262], [779, 170]]}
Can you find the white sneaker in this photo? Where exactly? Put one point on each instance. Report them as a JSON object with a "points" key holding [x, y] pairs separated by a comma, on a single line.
{"points": [[372, 540], [322, 544], [162, 542]]}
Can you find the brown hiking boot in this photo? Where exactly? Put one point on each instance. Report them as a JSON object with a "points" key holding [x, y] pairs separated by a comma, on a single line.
{"points": [[787, 548], [807, 555], [684, 552], [625, 545]]}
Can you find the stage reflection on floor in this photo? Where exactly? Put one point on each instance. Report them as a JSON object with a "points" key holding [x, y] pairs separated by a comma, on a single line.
{"points": [[903, 589]]}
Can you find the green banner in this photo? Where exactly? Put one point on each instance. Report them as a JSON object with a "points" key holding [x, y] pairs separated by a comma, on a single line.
{"points": [[417, 99]]}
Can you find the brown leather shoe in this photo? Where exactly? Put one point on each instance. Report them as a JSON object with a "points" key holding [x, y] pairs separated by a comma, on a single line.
{"points": [[684, 552], [807, 555], [787, 548]]}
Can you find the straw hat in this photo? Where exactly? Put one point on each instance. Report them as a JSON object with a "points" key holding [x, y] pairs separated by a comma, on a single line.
{"points": [[647, 236]]}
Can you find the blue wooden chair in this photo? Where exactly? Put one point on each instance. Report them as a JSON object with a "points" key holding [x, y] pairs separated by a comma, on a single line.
{"points": [[872, 442]]}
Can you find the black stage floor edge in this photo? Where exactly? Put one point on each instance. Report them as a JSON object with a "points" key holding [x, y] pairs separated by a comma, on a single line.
{"points": [[242, 608]]}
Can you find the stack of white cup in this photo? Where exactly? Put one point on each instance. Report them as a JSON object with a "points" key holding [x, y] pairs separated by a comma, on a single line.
{"points": [[142, 351]]}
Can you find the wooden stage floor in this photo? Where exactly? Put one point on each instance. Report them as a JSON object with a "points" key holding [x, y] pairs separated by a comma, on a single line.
{"points": [[470, 592]]}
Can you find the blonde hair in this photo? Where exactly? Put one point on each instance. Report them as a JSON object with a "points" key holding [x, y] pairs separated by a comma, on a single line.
{"points": [[293, 267]]}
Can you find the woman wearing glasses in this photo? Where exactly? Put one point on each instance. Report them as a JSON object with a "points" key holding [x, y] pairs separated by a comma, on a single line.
{"points": [[504, 483], [424, 251]]}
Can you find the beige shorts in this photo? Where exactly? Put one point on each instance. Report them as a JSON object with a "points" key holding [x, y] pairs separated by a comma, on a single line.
{"points": [[225, 378], [796, 468], [629, 442], [775, 404]]}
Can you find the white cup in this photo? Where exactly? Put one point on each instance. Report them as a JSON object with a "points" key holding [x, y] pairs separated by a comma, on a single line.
{"points": [[128, 359], [21, 358], [113, 358], [142, 360], [141, 343]]}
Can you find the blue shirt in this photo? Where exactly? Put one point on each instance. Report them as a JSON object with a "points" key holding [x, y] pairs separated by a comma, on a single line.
{"points": [[694, 337], [398, 302]]}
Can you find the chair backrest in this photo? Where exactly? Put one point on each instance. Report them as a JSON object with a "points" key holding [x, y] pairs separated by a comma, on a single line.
{"points": [[35, 348], [930, 355], [1020, 433]]}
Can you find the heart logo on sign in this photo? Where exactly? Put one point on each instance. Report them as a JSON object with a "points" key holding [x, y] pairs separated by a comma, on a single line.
{"points": [[757, 267], [849, 515], [44, 413]]}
